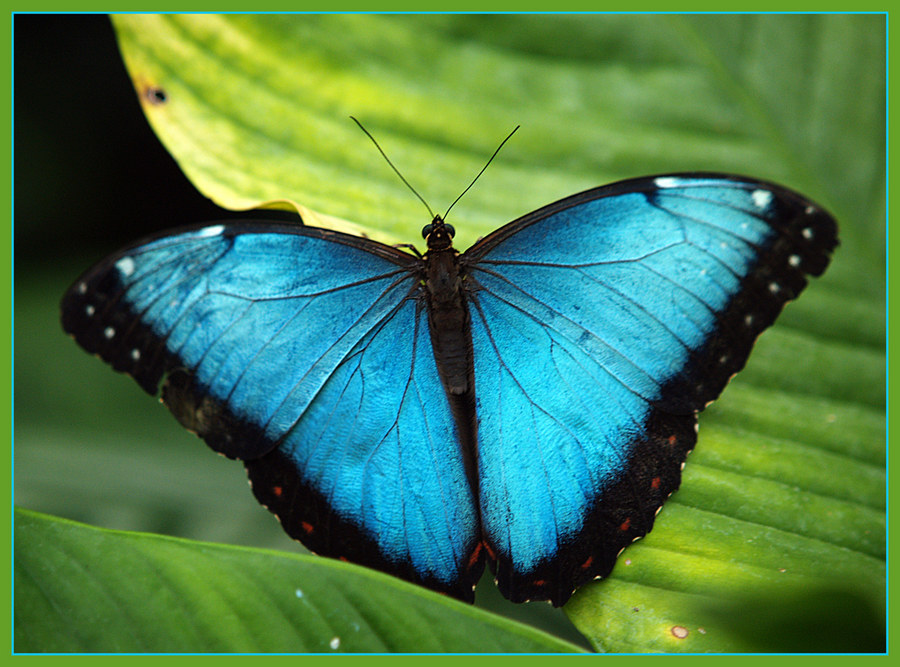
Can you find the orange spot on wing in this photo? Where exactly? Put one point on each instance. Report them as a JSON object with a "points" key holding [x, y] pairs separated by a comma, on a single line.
{"points": [[307, 527], [586, 564], [277, 490], [672, 439], [654, 483], [476, 555], [626, 524]]}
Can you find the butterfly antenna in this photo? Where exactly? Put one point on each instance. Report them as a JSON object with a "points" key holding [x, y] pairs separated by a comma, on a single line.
{"points": [[482, 170], [396, 171]]}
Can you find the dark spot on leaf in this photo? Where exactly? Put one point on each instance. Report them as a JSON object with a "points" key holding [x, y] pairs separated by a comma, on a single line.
{"points": [[155, 95]]}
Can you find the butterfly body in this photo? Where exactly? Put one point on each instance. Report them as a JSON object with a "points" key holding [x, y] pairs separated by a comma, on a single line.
{"points": [[527, 404]]}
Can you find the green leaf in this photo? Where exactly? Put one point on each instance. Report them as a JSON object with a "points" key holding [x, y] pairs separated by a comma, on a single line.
{"points": [[257, 107], [80, 588], [783, 502]]}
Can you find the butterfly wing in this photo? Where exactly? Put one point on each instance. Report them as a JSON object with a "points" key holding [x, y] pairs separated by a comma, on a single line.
{"points": [[601, 325], [306, 354], [407, 486]]}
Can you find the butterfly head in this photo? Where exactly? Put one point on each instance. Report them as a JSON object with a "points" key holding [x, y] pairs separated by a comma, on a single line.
{"points": [[438, 234]]}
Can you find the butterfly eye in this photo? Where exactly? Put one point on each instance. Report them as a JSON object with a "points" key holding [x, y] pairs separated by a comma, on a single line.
{"points": [[450, 231], [426, 230]]}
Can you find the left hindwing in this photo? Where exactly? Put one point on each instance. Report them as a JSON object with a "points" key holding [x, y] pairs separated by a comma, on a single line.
{"points": [[601, 325]]}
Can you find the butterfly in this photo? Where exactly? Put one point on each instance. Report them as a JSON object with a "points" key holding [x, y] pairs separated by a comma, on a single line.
{"points": [[527, 404]]}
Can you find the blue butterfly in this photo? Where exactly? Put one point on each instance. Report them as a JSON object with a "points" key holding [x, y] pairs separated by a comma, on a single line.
{"points": [[527, 404]]}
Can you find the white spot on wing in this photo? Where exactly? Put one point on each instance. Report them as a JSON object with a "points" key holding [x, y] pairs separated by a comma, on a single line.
{"points": [[794, 260], [774, 288], [90, 310], [335, 643], [82, 288], [214, 230], [109, 332], [807, 233], [125, 266], [762, 198], [665, 182], [136, 354]]}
